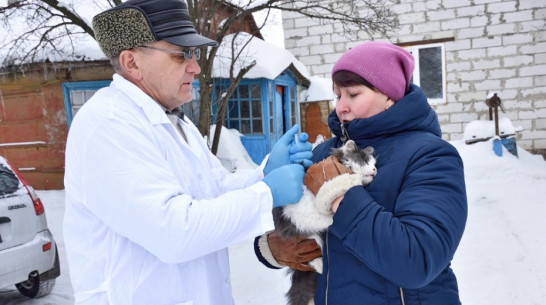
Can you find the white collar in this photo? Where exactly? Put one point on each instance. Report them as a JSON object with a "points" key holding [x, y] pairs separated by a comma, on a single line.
{"points": [[154, 111]]}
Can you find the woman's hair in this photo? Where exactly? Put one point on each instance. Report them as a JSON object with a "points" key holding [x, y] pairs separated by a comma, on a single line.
{"points": [[344, 78]]}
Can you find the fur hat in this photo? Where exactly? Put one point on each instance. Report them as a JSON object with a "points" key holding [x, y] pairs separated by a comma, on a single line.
{"points": [[386, 66], [140, 22]]}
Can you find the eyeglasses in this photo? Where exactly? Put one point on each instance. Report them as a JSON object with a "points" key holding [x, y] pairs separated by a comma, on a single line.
{"points": [[187, 53]]}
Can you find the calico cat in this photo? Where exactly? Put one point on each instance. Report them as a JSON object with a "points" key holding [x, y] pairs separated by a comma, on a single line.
{"points": [[310, 217]]}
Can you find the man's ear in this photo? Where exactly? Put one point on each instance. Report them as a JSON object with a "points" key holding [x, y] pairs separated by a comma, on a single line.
{"points": [[130, 63]]}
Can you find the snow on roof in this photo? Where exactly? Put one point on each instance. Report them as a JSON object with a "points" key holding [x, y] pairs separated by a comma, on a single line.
{"points": [[271, 60], [320, 90], [246, 4]]}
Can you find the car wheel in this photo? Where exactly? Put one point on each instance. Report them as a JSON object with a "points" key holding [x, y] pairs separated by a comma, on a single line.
{"points": [[34, 288]]}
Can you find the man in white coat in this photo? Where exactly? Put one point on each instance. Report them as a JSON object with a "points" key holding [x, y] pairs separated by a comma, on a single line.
{"points": [[150, 211]]}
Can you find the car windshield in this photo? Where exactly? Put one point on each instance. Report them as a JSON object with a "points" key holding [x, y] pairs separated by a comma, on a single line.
{"points": [[9, 183]]}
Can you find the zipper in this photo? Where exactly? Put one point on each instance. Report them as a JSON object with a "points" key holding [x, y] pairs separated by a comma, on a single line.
{"points": [[344, 133], [402, 300], [328, 271]]}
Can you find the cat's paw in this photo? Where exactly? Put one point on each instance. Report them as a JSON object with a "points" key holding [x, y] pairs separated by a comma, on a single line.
{"points": [[317, 264]]}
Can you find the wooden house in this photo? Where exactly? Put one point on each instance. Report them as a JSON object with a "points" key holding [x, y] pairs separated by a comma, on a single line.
{"points": [[39, 100], [33, 114]]}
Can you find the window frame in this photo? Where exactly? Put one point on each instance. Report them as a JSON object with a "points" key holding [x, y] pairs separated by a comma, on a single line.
{"points": [[191, 108], [69, 87], [238, 100], [414, 50]]}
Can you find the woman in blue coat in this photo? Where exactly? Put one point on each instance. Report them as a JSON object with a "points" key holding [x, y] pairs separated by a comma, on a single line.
{"points": [[392, 241]]}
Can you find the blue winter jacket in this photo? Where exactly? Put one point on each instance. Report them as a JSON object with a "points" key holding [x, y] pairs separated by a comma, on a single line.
{"points": [[392, 241]]}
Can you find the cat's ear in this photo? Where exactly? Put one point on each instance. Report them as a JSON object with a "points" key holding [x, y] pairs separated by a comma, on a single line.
{"points": [[369, 150], [350, 145]]}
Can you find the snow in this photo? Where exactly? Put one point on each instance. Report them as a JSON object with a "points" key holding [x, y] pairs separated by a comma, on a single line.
{"points": [[320, 89], [22, 143], [490, 95], [483, 129], [500, 259], [270, 60], [231, 149]]}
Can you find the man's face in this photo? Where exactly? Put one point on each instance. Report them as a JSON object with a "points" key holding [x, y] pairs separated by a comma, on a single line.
{"points": [[167, 77]]}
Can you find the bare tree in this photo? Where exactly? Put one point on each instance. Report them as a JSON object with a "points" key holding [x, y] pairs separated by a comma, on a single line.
{"points": [[218, 18], [47, 22], [40, 26]]}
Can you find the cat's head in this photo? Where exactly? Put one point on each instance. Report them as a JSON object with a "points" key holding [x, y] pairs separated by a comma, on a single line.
{"points": [[360, 161]]}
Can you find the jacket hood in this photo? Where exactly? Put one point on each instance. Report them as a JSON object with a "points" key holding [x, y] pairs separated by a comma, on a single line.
{"points": [[411, 113]]}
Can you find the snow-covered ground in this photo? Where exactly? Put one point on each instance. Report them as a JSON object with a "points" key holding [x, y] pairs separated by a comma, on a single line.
{"points": [[501, 259]]}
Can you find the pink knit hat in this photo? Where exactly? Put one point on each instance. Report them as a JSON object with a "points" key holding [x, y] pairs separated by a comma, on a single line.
{"points": [[386, 66]]}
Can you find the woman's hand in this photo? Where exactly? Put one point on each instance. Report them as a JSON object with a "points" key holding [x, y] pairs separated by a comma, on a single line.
{"points": [[326, 170]]}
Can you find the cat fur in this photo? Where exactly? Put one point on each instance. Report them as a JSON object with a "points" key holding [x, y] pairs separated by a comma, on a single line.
{"points": [[312, 215]]}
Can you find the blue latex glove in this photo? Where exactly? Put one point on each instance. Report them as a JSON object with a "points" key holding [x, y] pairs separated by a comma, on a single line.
{"points": [[287, 151], [300, 151], [286, 184]]}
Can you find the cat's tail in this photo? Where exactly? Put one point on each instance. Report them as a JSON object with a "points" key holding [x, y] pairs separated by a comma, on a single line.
{"points": [[302, 291]]}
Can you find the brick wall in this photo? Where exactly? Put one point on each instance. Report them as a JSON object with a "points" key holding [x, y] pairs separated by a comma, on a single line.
{"points": [[494, 46]]}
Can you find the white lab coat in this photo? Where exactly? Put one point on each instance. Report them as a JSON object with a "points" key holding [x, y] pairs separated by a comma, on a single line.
{"points": [[148, 217]]}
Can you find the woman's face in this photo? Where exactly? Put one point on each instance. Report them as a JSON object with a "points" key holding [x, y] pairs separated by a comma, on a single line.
{"points": [[359, 102]]}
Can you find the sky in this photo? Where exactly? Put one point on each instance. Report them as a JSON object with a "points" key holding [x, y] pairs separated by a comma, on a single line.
{"points": [[500, 259]]}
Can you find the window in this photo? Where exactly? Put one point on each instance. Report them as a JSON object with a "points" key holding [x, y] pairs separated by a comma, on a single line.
{"points": [[293, 107], [75, 94], [271, 113], [429, 71], [244, 111], [191, 109], [9, 183]]}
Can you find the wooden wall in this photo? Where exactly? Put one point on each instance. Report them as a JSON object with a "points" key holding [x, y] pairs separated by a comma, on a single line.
{"points": [[33, 127], [314, 119]]}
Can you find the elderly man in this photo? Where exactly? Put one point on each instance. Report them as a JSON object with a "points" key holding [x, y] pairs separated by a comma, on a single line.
{"points": [[150, 211]]}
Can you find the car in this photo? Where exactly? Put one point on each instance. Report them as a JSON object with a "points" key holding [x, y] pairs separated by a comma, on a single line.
{"points": [[28, 252]]}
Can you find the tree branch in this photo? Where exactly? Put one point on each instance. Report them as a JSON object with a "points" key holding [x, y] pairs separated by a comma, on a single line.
{"points": [[222, 105], [73, 17], [50, 22]]}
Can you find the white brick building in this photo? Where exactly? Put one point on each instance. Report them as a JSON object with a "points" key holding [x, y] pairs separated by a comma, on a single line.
{"points": [[482, 46]]}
